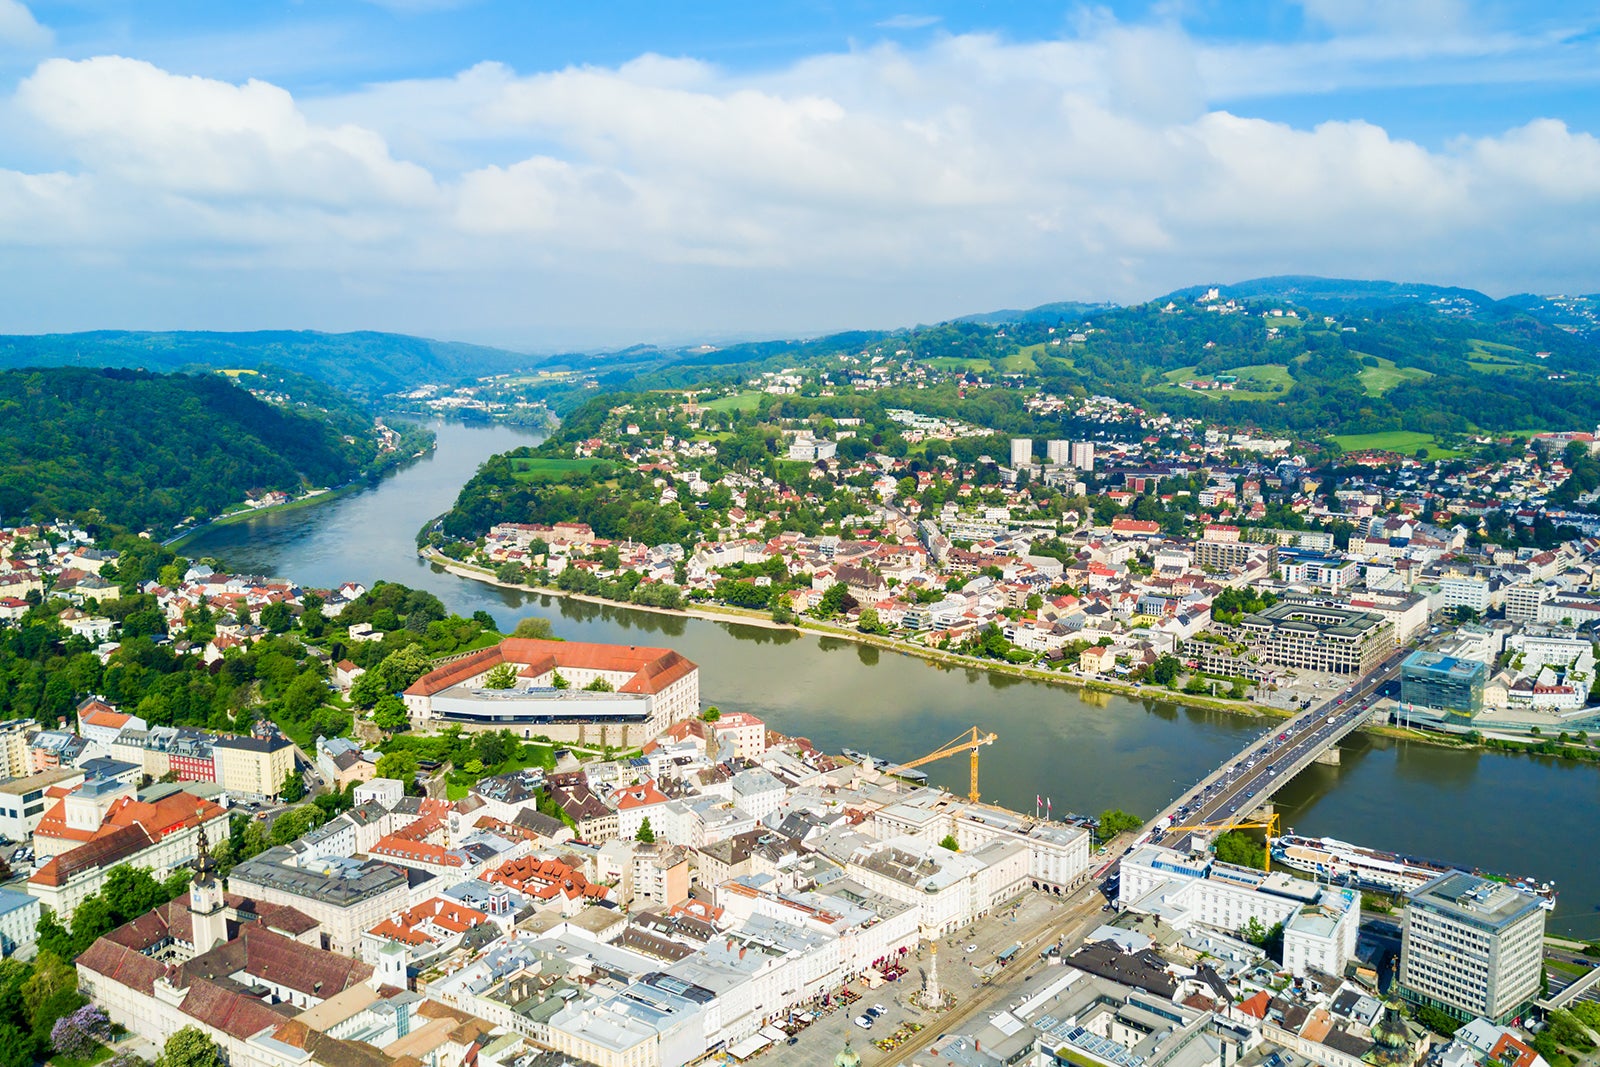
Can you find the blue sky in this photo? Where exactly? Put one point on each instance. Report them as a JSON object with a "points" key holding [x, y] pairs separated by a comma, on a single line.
{"points": [[546, 175]]}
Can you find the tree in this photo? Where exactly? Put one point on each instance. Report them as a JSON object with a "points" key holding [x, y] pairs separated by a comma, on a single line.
{"points": [[401, 765], [599, 685], [191, 1047], [293, 787], [16, 1050], [869, 623], [494, 747], [368, 689], [51, 977], [711, 714], [390, 713], [1254, 932], [535, 628], [645, 834], [1114, 821], [559, 681], [501, 676], [295, 823], [949, 842], [835, 600], [1239, 849], [277, 617], [1165, 669], [400, 669], [77, 1034]]}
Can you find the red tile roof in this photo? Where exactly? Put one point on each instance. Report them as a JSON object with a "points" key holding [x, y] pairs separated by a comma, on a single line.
{"points": [[653, 669]]}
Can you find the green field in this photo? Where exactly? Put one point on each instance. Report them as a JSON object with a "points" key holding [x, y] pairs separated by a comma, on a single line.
{"points": [[1405, 442], [1489, 350], [959, 363], [1022, 361], [544, 469], [1255, 381], [736, 402], [1385, 376]]}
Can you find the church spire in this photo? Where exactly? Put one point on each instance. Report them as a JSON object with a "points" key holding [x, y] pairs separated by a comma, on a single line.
{"points": [[205, 867]]}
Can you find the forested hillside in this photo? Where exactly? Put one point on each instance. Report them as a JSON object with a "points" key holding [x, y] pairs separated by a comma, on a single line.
{"points": [[366, 364], [149, 450]]}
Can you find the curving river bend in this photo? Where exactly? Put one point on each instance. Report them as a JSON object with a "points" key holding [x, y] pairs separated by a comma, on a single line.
{"points": [[1521, 815]]}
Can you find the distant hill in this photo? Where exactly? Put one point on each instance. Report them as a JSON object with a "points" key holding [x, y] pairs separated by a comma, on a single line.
{"points": [[1577, 313], [148, 450], [366, 364], [1338, 296], [1061, 310]]}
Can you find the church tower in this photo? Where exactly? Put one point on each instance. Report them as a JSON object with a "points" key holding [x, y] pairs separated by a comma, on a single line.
{"points": [[206, 904]]}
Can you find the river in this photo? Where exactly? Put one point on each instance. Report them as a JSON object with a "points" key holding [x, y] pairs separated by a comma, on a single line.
{"points": [[1522, 815]]}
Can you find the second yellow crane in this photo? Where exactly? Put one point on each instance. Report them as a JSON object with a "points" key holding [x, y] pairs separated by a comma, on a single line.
{"points": [[969, 741]]}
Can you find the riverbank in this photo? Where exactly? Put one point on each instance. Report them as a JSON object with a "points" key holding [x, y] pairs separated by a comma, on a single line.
{"points": [[943, 658], [940, 657], [361, 481], [234, 517]]}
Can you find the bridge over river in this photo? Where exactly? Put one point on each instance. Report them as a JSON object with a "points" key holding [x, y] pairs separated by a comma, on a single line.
{"points": [[1233, 792]]}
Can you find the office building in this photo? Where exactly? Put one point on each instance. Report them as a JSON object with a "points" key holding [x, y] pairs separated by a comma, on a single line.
{"points": [[1471, 947], [1443, 683], [1320, 571], [1021, 451], [1459, 592], [1318, 638]]}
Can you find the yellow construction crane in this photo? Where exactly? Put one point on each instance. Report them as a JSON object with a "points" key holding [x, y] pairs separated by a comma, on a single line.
{"points": [[969, 742], [1269, 824]]}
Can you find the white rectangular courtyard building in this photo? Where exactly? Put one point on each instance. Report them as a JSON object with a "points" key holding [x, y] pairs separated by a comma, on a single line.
{"points": [[1186, 889]]}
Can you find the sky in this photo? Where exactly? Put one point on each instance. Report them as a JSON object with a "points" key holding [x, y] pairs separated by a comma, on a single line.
{"points": [[547, 176]]}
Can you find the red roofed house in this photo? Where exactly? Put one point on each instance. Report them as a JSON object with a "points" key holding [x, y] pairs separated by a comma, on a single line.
{"points": [[99, 721], [1127, 527], [634, 804], [606, 694], [550, 883], [160, 836], [431, 928]]}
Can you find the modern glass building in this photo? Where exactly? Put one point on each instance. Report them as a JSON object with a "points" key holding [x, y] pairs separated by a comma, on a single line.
{"points": [[1443, 683]]}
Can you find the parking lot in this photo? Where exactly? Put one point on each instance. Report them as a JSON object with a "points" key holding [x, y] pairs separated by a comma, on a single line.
{"points": [[818, 1043]]}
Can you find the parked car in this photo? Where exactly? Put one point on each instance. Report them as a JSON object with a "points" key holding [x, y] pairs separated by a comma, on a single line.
{"points": [[864, 1021]]}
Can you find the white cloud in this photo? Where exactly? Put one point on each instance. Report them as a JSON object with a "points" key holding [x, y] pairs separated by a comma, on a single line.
{"points": [[19, 30], [134, 122], [880, 185]]}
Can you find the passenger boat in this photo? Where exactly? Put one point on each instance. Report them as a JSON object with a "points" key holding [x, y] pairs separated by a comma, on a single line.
{"points": [[1388, 872]]}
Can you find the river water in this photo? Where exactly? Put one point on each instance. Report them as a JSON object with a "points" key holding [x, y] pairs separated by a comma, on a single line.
{"points": [[1084, 752]]}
